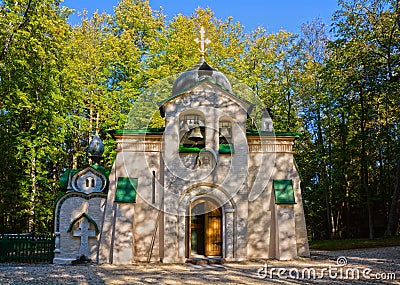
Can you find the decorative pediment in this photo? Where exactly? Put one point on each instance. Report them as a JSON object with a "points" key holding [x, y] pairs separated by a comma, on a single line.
{"points": [[208, 86], [88, 181]]}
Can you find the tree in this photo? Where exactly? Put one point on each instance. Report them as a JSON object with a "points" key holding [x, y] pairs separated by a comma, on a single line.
{"points": [[359, 77], [316, 117], [32, 63]]}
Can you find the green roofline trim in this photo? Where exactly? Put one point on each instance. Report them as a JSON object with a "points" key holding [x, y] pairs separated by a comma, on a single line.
{"points": [[160, 131], [272, 134], [156, 131]]}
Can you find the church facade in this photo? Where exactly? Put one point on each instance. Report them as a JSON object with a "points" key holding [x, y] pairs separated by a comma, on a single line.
{"points": [[204, 186]]}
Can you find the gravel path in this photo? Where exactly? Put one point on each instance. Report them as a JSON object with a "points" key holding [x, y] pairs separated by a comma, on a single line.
{"points": [[363, 266]]}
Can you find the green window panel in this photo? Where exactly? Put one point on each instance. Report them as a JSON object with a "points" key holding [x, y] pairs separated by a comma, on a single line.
{"points": [[284, 193], [126, 190]]}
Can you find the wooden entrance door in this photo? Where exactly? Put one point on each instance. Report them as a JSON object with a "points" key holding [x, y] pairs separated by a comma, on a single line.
{"points": [[206, 229], [213, 239]]}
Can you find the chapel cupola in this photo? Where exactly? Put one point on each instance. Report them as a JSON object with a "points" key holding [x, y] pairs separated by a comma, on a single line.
{"points": [[96, 149]]}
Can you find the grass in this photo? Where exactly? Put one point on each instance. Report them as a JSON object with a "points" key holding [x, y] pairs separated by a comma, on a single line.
{"points": [[342, 244]]}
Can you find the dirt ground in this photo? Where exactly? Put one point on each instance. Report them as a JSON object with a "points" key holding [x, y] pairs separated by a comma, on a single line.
{"points": [[366, 266]]}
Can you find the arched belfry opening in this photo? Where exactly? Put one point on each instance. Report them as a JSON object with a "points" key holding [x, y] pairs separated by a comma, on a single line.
{"points": [[205, 229]]}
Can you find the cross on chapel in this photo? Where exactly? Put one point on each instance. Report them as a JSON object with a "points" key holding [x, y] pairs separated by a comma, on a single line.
{"points": [[84, 233], [203, 42]]}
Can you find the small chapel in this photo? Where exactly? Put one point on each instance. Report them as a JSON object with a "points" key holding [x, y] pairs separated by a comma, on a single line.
{"points": [[203, 186]]}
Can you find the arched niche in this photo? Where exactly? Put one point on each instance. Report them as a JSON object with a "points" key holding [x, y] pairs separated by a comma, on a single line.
{"points": [[192, 134], [226, 135], [221, 200]]}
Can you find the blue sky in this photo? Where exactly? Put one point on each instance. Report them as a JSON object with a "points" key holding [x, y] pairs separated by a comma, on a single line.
{"points": [[271, 14]]}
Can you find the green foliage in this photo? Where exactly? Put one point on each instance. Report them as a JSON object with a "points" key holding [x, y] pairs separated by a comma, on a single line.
{"points": [[351, 122], [345, 244], [32, 62]]}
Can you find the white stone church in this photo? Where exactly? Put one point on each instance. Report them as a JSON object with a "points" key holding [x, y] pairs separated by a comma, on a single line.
{"points": [[204, 186]]}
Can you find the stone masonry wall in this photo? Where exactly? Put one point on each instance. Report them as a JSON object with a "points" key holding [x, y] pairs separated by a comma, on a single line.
{"points": [[70, 209]]}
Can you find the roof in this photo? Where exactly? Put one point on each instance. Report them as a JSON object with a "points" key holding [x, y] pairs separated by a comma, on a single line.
{"points": [[162, 103], [71, 172], [197, 73]]}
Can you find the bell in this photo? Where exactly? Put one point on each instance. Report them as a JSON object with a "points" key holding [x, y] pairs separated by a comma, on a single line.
{"points": [[195, 134], [224, 132]]}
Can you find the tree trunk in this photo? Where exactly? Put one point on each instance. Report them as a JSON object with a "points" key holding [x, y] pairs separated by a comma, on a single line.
{"points": [[75, 156], [393, 218], [322, 181], [33, 176], [364, 166], [345, 160], [289, 111]]}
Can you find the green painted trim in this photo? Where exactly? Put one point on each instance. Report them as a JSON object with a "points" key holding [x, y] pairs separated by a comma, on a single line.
{"points": [[126, 190], [272, 134], [96, 227], [189, 149], [159, 131], [58, 197], [287, 134], [284, 193], [226, 148]]}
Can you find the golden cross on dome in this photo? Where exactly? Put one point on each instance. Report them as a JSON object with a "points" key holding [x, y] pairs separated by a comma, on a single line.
{"points": [[203, 42]]}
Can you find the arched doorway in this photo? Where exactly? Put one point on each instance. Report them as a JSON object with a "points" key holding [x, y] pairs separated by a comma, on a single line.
{"points": [[205, 236]]}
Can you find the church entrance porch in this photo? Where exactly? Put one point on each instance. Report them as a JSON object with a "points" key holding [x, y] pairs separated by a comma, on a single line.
{"points": [[205, 234], [205, 225]]}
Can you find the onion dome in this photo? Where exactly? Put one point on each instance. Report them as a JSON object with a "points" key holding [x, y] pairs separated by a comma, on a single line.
{"points": [[96, 149], [201, 71]]}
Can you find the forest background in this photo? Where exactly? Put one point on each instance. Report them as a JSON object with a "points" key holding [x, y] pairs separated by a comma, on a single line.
{"points": [[336, 86]]}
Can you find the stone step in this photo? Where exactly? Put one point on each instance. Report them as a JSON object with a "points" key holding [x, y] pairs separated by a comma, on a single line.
{"points": [[208, 267], [201, 261]]}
